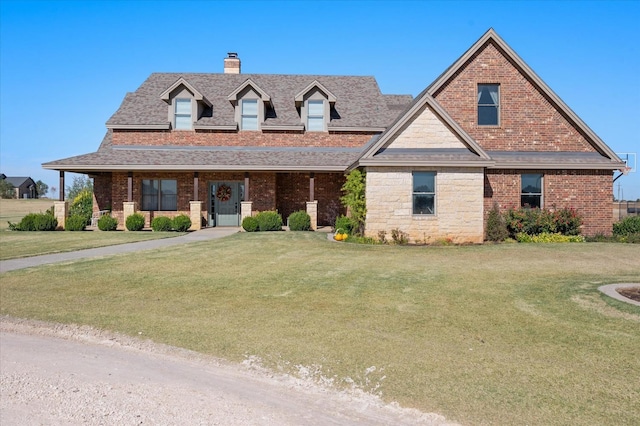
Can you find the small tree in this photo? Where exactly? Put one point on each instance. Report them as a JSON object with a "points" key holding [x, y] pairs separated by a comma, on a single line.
{"points": [[7, 190], [82, 206], [496, 226], [41, 189], [79, 184], [354, 198]]}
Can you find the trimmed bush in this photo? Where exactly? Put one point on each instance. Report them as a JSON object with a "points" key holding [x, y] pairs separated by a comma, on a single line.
{"points": [[299, 221], [269, 221], [540, 221], [547, 237], [627, 226], [346, 224], [181, 223], [35, 222], [161, 224], [75, 222], [250, 224], [107, 223], [135, 222]]}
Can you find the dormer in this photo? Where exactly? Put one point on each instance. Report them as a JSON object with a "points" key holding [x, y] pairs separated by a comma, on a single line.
{"points": [[314, 103], [251, 104], [186, 104]]}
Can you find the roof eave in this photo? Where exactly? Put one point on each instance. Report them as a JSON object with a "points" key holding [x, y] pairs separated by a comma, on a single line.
{"points": [[419, 163], [166, 126]]}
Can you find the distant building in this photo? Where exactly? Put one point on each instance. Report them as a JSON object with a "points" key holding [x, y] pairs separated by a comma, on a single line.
{"points": [[24, 187]]}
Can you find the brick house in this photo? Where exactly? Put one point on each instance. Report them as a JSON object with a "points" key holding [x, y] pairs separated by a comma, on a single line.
{"points": [[220, 147], [488, 130]]}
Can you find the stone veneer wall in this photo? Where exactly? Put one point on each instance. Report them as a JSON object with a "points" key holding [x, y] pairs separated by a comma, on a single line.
{"points": [[459, 205]]}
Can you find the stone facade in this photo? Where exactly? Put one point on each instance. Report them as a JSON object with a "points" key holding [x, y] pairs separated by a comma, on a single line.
{"points": [[459, 205], [426, 131]]}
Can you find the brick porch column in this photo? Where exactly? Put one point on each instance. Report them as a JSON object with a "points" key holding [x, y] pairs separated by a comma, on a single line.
{"points": [[61, 212], [246, 210], [312, 211], [196, 215], [128, 208]]}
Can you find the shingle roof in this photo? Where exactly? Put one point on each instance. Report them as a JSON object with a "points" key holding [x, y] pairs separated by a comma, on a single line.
{"points": [[359, 102], [16, 181], [551, 160]]}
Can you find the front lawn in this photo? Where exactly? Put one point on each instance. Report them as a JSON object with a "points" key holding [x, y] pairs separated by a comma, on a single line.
{"points": [[494, 334]]}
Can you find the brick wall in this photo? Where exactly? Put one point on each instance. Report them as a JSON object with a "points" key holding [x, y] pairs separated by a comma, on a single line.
{"points": [[293, 193], [528, 121], [589, 192], [218, 138]]}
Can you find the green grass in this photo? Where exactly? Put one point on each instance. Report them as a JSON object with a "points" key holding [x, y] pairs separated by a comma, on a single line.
{"points": [[23, 244], [495, 334]]}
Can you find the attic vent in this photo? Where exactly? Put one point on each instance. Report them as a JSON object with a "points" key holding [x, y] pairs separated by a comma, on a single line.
{"points": [[232, 63]]}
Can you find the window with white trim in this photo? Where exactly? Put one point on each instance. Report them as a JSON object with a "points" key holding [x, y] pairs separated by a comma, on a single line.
{"points": [[159, 194], [424, 193], [531, 190], [488, 104], [249, 114], [183, 119], [315, 115]]}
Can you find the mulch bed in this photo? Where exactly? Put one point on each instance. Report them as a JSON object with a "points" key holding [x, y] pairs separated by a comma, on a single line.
{"points": [[632, 293]]}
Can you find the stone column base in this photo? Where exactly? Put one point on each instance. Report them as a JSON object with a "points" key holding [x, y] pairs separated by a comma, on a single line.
{"points": [[312, 211], [196, 215], [128, 208], [246, 210], [61, 212]]}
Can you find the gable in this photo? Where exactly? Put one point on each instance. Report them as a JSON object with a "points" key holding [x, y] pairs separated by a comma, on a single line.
{"points": [[531, 116]]}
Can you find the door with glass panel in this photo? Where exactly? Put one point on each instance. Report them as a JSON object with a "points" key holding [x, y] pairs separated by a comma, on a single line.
{"points": [[224, 203]]}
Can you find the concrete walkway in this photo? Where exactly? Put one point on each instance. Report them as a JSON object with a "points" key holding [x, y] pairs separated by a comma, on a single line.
{"points": [[201, 235]]}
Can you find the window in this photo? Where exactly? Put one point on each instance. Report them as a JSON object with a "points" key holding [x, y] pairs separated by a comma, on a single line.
{"points": [[488, 104], [159, 194], [315, 116], [531, 192], [183, 114], [424, 192], [249, 120]]}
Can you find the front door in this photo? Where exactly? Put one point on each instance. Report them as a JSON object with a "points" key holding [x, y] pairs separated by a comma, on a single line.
{"points": [[224, 203]]}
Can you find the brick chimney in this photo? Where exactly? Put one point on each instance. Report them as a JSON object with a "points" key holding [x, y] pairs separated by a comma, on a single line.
{"points": [[232, 63]]}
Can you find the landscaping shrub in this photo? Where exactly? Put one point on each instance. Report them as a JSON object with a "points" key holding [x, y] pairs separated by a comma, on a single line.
{"points": [[82, 206], [35, 222], [135, 222], [567, 221], [250, 224], [181, 223], [107, 223], [346, 224], [539, 221], [627, 226], [75, 222], [496, 227], [547, 237], [269, 221], [299, 221], [161, 224], [354, 190], [399, 237]]}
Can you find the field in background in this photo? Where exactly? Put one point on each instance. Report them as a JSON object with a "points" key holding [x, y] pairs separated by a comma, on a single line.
{"points": [[493, 334]]}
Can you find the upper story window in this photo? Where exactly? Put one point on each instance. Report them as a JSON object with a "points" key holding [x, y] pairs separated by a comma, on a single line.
{"points": [[249, 114], [183, 119], [488, 104], [531, 190], [315, 115], [424, 193]]}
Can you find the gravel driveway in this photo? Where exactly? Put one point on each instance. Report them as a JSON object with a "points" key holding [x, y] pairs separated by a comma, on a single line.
{"points": [[55, 374]]}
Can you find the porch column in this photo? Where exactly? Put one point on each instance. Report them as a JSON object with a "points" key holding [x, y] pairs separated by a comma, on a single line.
{"points": [[196, 215], [245, 210], [128, 208], [61, 212], [61, 197], [312, 211], [246, 186], [195, 186], [130, 188], [312, 185]]}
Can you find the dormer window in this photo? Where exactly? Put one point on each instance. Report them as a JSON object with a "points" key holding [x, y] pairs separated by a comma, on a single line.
{"points": [[315, 115], [249, 119], [183, 119]]}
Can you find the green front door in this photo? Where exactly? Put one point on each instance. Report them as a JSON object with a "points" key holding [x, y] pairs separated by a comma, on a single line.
{"points": [[224, 203]]}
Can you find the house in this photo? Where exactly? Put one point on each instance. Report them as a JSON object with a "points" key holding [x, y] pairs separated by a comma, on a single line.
{"points": [[24, 187], [486, 132], [223, 146]]}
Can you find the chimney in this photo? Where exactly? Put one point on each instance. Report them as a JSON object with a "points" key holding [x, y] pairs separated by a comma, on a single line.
{"points": [[232, 63]]}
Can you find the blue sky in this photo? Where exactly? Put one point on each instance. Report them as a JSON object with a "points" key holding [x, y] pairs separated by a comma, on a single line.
{"points": [[66, 66]]}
